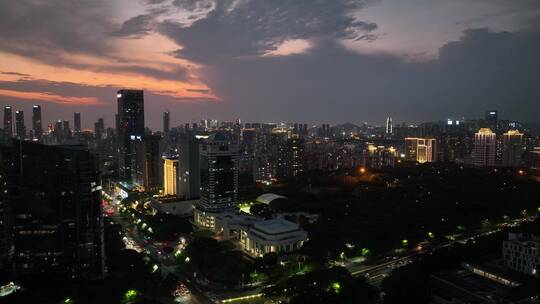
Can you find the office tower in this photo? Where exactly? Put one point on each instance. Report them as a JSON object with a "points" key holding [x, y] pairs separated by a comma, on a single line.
{"points": [[421, 150], [66, 129], [219, 179], [170, 175], [53, 193], [58, 133], [389, 126], [99, 129], [77, 122], [146, 170], [130, 128], [20, 128], [8, 121], [484, 148], [491, 119], [166, 123], [189, 183], [36, 122], [512, 148]]}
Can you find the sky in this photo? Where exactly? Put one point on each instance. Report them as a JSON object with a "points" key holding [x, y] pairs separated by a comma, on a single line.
{"points": [[312, 61]]}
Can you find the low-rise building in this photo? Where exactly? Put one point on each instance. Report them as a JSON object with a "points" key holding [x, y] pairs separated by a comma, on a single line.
{"points": [[522, 253], [257, 236]]}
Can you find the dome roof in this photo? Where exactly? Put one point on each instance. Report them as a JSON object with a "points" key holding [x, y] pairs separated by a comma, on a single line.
{"points": [[267, 198]]}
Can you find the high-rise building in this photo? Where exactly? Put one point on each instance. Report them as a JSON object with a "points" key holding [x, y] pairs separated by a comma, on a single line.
{"points": [[170, 175], [5, 240], [146, 170], [389, 126], [99, 129], [219, 179], [512, 148], [66, 129], [36, 122], [421, 150], [130, 128], [484, 148], [53, 193], [20, 128], [166, 123], [189, 183], [77, 122], [295, 156], [8, 121], [492, 119], [379, 156]]}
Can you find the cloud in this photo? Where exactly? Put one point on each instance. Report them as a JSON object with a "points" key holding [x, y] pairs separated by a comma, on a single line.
{"points": [[329, 83], [233, 29], [136, 27], [48, 97], [15, 74], [206, 91], [34, 26]]}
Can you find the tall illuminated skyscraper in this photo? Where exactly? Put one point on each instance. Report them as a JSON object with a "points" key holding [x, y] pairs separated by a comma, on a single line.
{"points": [[421, 150], [170, 175], [8, 121], [484, 151], [219, 179], [512, 148], [389, 126], [130, 128], [36, 122]]}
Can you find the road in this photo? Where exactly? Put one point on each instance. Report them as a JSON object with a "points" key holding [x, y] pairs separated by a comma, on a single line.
{"points": [[165, 260], [379, 270]]}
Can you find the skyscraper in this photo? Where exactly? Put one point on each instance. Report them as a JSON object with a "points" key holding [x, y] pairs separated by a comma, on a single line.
{"points": [[491, 119], [512, 148], [99, 129], [36, 122], [219, 179], [295, 156], [166, 123], [389, 126], [66, 129], [20, 128], [130, 128], [421, 150], [189, 184], [77, 122], [484, 148], [53, 193], [146, 169], [170, 175], [8, 121]]}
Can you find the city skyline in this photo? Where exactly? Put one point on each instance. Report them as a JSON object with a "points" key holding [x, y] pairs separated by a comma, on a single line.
{"points": [[363, 61]]}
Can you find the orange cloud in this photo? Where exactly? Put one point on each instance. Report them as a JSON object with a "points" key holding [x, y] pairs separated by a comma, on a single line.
{"points": [[49, 97]]}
